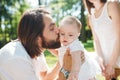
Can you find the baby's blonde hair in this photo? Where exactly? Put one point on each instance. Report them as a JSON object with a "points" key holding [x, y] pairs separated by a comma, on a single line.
{"points": [[71, 20]]}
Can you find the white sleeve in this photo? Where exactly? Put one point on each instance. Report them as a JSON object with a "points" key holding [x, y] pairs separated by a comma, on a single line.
{"points": [[20, 69], [40, 63], [76, 47]]}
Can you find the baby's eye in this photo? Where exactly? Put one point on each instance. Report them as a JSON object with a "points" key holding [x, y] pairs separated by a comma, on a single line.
{"points": [[70, 35]]}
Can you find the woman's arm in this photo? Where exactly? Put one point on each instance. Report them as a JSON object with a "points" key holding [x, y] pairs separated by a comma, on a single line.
{"points": [[115, 16], [114, 13]]}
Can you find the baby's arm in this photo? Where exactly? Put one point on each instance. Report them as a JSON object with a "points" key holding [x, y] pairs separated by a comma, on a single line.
{"points": [[77, 60]]}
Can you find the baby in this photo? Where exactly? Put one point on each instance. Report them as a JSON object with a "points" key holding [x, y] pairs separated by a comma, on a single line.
{"points": [[80, 70]]}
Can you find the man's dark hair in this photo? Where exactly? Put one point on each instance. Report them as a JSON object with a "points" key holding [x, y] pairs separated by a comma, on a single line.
{"points": [[30, 27]]}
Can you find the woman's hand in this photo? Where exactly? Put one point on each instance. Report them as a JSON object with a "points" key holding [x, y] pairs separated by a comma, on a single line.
{"points": [[109, 72]]}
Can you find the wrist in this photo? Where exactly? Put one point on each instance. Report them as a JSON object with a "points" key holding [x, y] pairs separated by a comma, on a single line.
{"points": [[74, 72], [58, 65], [110, 65]]}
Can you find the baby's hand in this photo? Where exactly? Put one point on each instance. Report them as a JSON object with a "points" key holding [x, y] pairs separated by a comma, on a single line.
{"points": [[73, 76]]}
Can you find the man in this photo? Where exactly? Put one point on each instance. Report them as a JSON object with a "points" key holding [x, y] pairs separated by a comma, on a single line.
{"points": [[23, 59]]}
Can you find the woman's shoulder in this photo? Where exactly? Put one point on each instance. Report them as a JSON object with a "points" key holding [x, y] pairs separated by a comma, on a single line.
{"points": [[113, 8], [113, 5], [115, 2]]}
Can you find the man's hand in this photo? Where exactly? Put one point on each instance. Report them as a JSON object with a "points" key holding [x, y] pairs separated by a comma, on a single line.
{"points": [[73, 76]]}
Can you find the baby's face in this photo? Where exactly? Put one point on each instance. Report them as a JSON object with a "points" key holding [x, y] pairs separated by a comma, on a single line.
{"points": [[68, 33]]}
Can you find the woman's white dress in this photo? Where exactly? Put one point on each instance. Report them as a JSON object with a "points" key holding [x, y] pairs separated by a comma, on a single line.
{"points": [[89, 68], [105, 32]]}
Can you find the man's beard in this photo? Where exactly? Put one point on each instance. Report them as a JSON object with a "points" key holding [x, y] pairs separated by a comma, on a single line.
{"points": [[53, 44]]}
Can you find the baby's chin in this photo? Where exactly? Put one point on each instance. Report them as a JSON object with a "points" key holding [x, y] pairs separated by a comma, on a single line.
{"points": [[65, 44]]}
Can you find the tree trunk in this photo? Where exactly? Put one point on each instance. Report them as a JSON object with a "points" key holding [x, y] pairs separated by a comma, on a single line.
{"points": [[83, 37], [39, 2]]}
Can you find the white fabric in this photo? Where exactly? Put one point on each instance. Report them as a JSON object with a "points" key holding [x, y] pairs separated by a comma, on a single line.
{"points": [[89, 68], [74, 46], [105, 31], [40, 65], [18, 64], [4, 75]]}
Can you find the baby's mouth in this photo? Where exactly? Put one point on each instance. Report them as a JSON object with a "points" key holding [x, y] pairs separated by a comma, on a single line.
{"points": [[65, 41]]}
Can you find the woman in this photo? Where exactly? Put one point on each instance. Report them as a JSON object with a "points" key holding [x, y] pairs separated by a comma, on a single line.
{"points": [[104, 20]]}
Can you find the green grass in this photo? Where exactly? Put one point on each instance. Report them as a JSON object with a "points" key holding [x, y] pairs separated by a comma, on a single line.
{"points": [[51, 60], [89, 45]]}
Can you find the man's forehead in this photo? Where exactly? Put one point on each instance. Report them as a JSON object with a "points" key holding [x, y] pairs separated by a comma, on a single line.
{"points": [[49, 22], [48, 18]]}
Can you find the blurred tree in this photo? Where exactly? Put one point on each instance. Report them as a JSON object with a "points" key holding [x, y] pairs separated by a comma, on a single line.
{"points": [[10, 13], [83, 36], [39, 2], [62, 8]]}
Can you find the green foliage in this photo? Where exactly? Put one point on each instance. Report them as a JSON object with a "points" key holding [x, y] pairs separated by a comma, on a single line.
{"points": [[10, 13], [89, 45], [50, 58], [61, 8]]}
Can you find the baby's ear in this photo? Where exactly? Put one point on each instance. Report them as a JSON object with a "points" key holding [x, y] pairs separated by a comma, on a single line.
{"points": [[78, 34]]}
